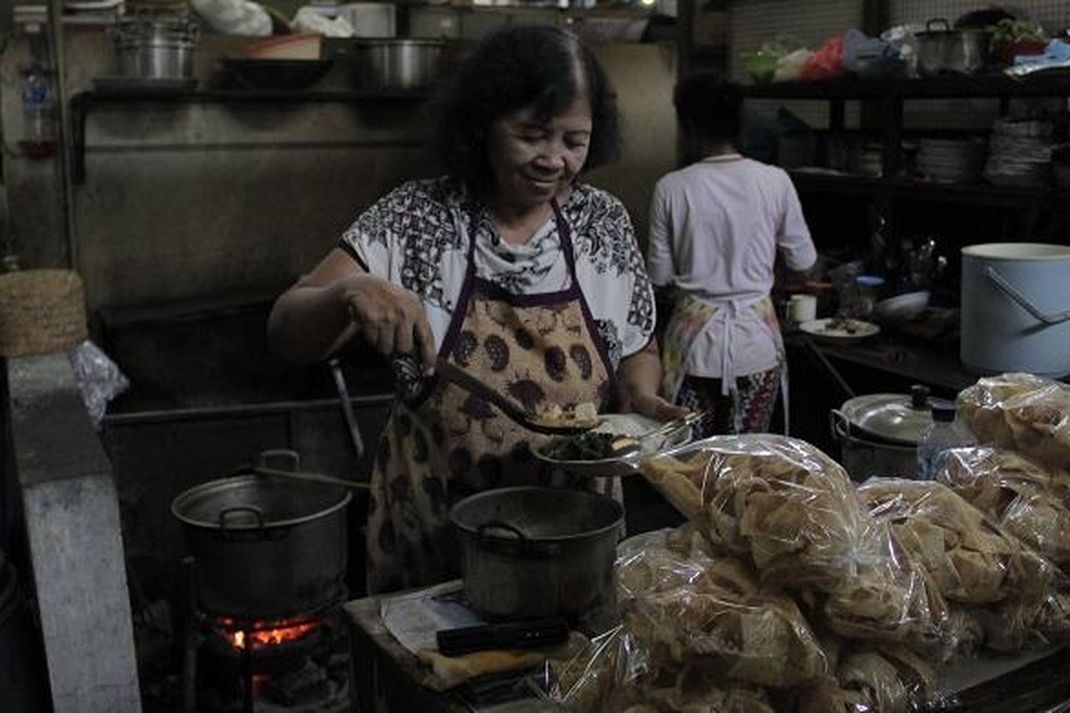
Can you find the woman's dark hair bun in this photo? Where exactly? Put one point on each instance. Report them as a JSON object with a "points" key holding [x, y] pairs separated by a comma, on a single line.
{"points": [[708, 103]]}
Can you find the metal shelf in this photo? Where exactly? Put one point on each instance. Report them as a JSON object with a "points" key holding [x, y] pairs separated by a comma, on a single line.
{"points": [[913, 189], [82, 103], [943, 87]]}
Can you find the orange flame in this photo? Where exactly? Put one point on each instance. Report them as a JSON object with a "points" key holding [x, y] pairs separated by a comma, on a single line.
{"points": [[259, 638]]}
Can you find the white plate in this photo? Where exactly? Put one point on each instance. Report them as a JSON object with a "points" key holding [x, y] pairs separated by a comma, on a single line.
{"points": [[622, 424], [819, 329]]}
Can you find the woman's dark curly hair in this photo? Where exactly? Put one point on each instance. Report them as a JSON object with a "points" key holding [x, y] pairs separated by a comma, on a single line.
{"points": [[516, 68], [709, 105]]}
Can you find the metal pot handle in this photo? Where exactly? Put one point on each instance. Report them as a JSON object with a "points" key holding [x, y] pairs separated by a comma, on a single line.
{"points": [[481, 531], [1001, 282], [937, 21], [241, 508], [838, 423]]}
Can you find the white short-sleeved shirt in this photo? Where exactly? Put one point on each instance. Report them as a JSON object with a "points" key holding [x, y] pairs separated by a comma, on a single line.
{"points": [[417, 237], [715, 229]]}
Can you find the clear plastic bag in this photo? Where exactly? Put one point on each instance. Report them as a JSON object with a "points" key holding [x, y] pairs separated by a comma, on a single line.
{"points": [[969, 559], [888, 679], [1027, 499], [686, 606], [1023, 412], [896, 602], [777, 502], [98, 378]]}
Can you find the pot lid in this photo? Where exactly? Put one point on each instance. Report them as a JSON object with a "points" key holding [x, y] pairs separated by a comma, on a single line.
{"points": [[892, 417], [252, 502]]}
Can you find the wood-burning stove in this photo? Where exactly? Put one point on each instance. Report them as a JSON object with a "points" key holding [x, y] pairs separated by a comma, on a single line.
{"points": [[291, 664]]}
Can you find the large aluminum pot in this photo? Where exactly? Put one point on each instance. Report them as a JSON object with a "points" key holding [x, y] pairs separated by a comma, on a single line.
{"points": [[155, 48], [265, 548], [396, 63], [943, 49], [1016, 308], [531, 552], [864, 458]]}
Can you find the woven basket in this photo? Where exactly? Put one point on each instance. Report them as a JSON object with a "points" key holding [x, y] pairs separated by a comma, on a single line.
{"points": [[41, 311]]}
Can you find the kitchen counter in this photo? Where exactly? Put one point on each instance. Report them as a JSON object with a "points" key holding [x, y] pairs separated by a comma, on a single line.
{"points": [[388, 677], [917, 362]]}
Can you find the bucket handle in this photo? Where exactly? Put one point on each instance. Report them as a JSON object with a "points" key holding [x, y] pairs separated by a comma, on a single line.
{"points": [[1001, 282]]}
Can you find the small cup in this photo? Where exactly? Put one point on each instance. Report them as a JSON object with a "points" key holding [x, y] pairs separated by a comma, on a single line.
{"points": [[802, 308]]}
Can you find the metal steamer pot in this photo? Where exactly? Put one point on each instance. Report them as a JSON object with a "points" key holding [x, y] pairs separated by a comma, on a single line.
{"points": [[155, 47], [943, 49], [265, 547], [529, 552], [879, 433]]}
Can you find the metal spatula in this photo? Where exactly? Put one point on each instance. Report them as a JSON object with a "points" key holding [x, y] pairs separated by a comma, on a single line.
{"points": [[411, 382]]}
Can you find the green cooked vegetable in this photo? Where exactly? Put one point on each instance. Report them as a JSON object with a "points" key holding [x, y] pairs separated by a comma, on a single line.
{"points": [[586, 446]]}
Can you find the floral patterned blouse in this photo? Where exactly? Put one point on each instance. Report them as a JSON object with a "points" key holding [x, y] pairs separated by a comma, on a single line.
{"points": [[417, 237]]}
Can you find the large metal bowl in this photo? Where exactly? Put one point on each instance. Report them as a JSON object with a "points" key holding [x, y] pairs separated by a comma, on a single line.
{"points": [[396, 63]]}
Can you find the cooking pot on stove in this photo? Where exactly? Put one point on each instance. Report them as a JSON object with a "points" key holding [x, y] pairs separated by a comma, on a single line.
{"points": [[265, 547], [879, 433], [530, 552]]}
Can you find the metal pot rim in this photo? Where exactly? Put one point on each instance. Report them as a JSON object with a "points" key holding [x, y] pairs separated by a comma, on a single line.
{"points": [[182, 500], [584, 535], [842, 432]]}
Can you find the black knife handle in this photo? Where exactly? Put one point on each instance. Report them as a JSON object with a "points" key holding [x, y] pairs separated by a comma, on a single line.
{"points": [[527, 634]]}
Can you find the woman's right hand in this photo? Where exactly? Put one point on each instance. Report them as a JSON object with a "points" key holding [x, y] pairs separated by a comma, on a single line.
{"points": [[391, 318]]}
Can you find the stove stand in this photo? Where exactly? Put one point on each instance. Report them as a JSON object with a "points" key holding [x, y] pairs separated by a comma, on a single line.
{"points": [[296, 664]]}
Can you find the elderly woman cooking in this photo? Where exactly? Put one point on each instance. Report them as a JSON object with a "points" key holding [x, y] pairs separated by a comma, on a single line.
{"points": [[507, 267]]}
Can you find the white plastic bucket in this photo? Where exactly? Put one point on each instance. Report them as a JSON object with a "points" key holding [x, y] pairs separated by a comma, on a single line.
{"points": [[1016, 308]]}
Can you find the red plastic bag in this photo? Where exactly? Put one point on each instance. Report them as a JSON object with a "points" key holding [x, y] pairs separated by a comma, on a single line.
{"points": [[827, 61]]}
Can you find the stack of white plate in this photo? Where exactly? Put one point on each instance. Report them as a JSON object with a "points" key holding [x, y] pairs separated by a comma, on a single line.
{"points": [[870, 160], [1019, 153], [951, 160]]}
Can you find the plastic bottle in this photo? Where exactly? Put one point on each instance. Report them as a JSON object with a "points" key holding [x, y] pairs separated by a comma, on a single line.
{"points": [[942, 435], [39, 115]]}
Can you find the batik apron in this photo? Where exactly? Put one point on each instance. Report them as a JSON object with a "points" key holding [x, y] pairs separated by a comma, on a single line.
{"points": [[691, 316], [538, 349]]}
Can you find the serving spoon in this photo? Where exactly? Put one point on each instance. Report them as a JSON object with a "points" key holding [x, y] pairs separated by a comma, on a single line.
{"points": [[411, 382]]}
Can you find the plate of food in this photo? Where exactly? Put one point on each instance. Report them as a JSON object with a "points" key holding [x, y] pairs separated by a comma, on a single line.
{"points": [[839, 329], [614, 447]]}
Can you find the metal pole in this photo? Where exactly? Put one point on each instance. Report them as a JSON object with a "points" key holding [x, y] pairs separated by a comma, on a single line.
{"points": [[247, 673], [7, 465], [189, 671], [57, 57]]}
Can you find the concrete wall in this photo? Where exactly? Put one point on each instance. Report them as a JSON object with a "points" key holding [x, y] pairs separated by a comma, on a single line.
{"points": [[187, 200]]}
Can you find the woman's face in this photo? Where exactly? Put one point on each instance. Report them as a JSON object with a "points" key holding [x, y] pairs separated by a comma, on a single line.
{"points": [[533, 160]]}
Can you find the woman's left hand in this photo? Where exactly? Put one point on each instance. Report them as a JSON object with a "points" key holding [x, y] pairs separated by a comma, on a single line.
{"points": [[657, 408]]}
